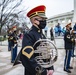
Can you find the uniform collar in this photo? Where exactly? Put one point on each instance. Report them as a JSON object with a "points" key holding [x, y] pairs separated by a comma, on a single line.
{"points": [[36, 29]]}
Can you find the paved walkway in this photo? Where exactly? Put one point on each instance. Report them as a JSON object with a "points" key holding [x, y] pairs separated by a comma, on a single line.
{"points": [[6, 67]]}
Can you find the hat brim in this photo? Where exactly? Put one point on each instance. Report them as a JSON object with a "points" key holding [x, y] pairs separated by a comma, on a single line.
{"points": [[43, 16]]}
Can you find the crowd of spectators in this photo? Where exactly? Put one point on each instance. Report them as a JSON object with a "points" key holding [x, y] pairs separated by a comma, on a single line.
{"points": [[59, 30]]}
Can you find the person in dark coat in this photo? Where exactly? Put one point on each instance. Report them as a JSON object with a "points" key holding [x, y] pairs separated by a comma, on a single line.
{"points": [[74, 28], [68, 40], [59, 29], [27, 57], [51, 34]]}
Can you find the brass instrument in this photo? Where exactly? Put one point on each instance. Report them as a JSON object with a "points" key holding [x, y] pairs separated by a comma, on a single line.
{"points": [[45, 53]]}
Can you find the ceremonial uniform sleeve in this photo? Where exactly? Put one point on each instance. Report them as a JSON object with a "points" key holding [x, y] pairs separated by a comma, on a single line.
{"points": [[27, 56]]}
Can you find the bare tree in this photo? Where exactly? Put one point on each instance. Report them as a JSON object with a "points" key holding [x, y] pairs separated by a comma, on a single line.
{"points": [[8, 8]]}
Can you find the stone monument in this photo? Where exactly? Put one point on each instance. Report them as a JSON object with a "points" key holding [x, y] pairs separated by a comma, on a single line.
{"points": [[74, 17]]}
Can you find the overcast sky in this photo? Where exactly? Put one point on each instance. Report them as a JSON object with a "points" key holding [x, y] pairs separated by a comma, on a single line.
{"points": [[53, 7]]}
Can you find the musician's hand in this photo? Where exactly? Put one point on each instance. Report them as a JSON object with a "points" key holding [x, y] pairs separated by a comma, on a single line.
{"points": [[50, 72]]}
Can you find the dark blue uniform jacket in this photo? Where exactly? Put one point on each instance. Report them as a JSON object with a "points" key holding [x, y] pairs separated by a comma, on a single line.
{"points": [[68, 40], [27, 52]]}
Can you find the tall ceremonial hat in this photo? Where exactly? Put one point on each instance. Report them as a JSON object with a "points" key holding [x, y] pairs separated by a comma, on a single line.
{"points": [[14, 28], [69, 24], [37, 11]]}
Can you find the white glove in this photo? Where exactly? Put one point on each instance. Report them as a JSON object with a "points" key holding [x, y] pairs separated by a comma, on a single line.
{"points": [[14, 46]]}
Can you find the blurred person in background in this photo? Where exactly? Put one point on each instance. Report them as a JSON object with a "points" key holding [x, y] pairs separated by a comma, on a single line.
{"points": [[68, 40]]}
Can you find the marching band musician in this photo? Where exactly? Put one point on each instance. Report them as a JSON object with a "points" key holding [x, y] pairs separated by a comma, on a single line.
{"points": [[38, 20], [14, 44], [68, 40]]}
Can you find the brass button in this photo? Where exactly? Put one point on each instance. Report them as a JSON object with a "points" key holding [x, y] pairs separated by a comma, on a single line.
{"points": [[39, 31]]}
